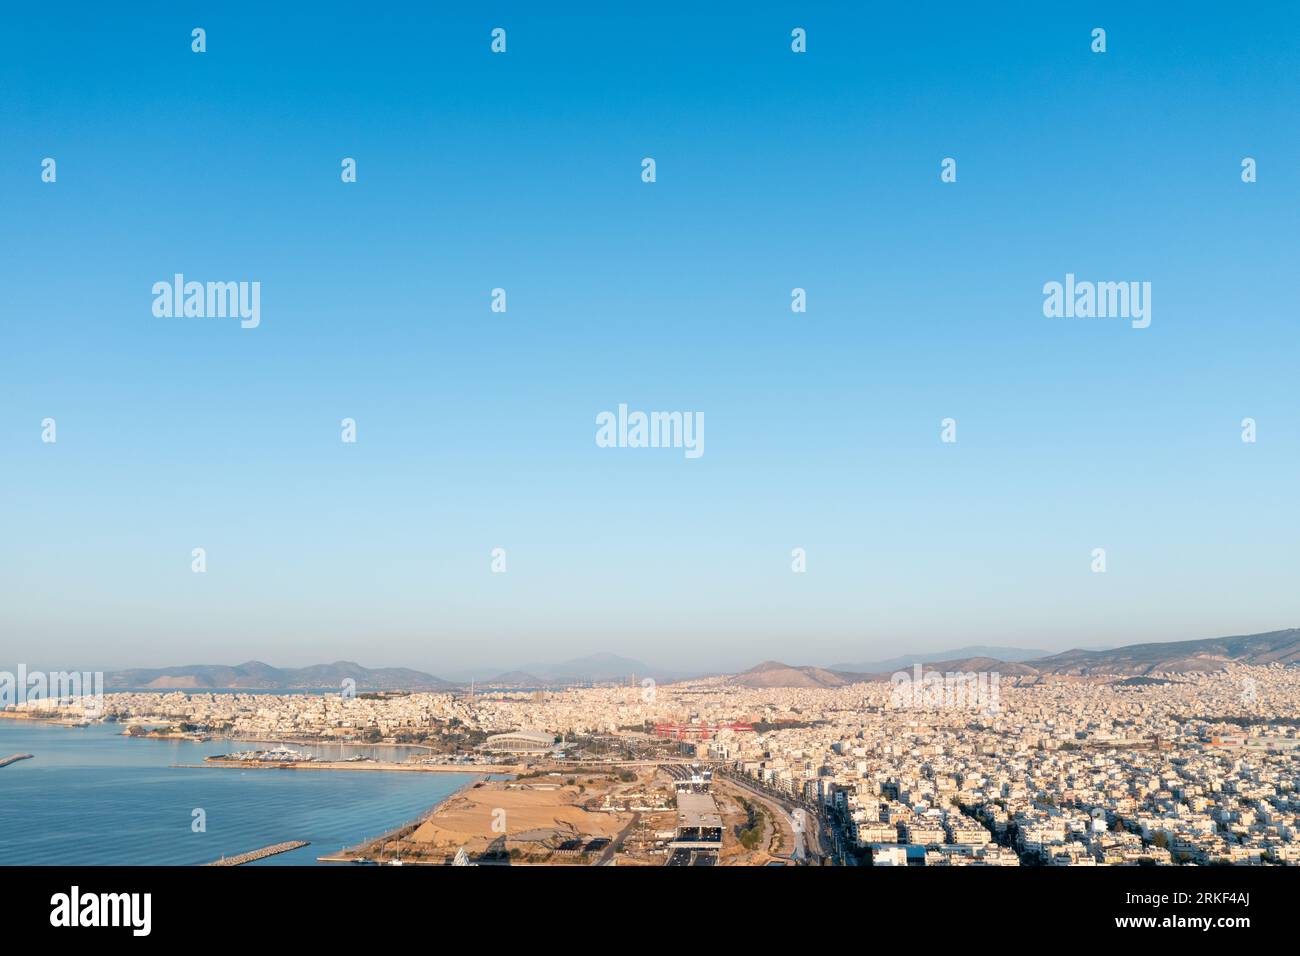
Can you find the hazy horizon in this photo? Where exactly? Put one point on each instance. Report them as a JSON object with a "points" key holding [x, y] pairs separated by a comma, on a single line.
{"points": [[679, 666]]}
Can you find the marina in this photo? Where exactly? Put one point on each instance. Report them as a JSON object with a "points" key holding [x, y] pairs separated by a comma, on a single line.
{"points": [[279, 755]]}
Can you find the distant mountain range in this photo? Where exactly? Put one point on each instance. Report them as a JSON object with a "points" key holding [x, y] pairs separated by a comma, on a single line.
{"points": [[594, 668], [1282, 647], [907, 660], [1134, 660], [254, 675]]}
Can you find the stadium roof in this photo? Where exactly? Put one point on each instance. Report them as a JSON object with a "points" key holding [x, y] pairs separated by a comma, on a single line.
{"points": [[531, 735]]}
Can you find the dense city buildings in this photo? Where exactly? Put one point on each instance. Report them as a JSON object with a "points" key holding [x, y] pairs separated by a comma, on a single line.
{"points": [[1083, 771]]}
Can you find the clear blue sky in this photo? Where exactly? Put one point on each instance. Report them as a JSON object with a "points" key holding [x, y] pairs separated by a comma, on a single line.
{"points": [[476, 430]]}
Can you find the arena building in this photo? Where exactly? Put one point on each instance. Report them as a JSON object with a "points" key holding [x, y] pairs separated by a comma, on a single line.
{"points": [[520, 742]]}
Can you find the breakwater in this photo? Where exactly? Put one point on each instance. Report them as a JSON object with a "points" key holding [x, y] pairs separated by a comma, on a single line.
{"points": [[261, 854]]}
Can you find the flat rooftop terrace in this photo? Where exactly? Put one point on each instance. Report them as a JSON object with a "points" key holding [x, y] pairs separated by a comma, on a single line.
{"points": [[697, 811]]}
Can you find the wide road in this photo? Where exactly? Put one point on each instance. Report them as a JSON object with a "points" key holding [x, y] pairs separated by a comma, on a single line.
{"points": [[607, 856], [809, 841]]}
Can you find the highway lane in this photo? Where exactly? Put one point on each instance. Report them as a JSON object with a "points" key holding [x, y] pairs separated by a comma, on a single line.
{"points": [[807, 838]]}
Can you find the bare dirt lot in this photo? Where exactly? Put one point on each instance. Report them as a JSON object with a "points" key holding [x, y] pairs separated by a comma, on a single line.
{"points": [[521, 813]]}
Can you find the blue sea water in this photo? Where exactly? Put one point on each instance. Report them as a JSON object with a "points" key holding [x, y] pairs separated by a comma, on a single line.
{"points": [[92, 796]]}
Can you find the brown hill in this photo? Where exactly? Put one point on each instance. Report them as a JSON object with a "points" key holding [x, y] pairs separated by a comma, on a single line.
{"points": [[1176, 657], [1133, 660], [776, 674]]}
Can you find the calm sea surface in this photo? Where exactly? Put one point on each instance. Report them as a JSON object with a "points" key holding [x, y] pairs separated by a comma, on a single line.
{"points": [[91, 796]]}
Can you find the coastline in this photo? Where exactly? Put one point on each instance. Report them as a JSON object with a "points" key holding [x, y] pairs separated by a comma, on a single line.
{"points": [[263, 811], [355, 853], [79, 722], [475, 769], [369, 764], [69, 722]]}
